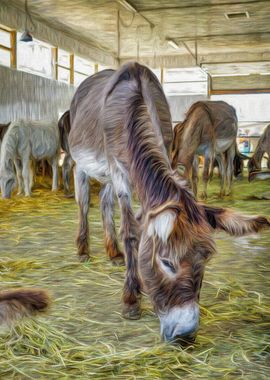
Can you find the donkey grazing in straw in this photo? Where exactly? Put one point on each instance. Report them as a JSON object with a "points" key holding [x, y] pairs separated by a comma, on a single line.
{"points": [[25, 141], [116, 137], [209, 129], [254, 164], [64, 129]]}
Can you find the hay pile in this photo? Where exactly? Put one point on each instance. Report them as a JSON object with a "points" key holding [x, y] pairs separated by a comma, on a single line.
{"points": [[84, 336]]}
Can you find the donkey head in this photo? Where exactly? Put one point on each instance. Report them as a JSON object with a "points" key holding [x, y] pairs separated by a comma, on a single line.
{"points": [[8, 181], [253, 165], [174, 249], [238, 164]]}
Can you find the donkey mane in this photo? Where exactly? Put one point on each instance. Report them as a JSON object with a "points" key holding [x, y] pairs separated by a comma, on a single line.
{"points": [[150, 169]]}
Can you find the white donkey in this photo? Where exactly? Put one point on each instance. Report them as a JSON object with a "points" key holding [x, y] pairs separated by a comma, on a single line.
{"points": [[24, 142]]}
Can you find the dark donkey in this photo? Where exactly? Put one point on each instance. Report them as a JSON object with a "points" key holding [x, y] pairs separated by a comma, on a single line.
{"points": [[64, 129], [116, 137], [254, 164], [209, 129]]}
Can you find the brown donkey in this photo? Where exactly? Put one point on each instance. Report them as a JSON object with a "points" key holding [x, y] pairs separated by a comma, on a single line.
{"points": [[254, 164], [116, 136], [209, 129]]}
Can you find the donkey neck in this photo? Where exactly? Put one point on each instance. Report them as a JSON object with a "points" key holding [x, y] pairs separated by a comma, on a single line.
{"points": [[150, 169]]}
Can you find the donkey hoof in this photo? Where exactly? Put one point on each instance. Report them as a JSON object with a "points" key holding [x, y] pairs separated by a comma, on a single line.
{"points": [[203, 195], [131, 311], [84, 258], [118, 260]]}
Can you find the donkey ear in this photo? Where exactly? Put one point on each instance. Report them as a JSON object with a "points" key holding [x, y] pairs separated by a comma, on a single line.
{"points": [[233, 223], [161, 220]]}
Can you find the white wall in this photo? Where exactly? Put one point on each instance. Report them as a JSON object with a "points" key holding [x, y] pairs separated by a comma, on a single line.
{"points": [[25, 95], [179, 105]]}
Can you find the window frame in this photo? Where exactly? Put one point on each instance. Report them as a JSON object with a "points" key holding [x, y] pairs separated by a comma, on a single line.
{"points": [[13, 45], [55, 51]]}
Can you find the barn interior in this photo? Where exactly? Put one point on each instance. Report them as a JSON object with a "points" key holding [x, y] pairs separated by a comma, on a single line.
{"points": [[199, 50]]}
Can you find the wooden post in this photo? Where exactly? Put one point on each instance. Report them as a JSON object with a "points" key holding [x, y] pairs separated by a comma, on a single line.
{"points": [[71, 57], [162, 75], [55, 62], [13, 51]]}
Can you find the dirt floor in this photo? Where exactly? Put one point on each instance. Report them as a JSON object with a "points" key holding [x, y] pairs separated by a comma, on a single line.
{"points": [[84, 336]]}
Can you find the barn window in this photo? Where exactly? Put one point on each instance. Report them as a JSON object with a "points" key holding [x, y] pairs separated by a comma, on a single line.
{"points": [[7, 47], [82, 69], [64, 66], [35, 57], [185, 81], [157, 73]]}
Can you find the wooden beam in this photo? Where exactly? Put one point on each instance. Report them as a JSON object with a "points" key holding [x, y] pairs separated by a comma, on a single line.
{"points": [[238, 92]]}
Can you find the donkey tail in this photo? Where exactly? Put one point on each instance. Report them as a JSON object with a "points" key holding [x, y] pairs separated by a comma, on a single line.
{"points": [[64, 129], [17, 303]]}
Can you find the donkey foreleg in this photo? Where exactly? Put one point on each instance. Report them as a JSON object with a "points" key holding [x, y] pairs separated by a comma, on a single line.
{"points": [[26, 170], [82, 197], [229, 168], [18, 167], [107, 200], [54, 165], [130, 236]]}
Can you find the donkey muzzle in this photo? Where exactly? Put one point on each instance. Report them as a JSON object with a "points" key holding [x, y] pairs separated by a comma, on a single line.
{"points": [[179, 324]]}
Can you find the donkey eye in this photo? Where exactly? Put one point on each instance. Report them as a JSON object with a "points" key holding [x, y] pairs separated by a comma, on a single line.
{"points": [[168, 264]]}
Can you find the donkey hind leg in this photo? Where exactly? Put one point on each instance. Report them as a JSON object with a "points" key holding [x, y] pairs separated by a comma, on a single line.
{"points": [[222, 165], [26, 172], [82, 189], [229, 169], [18, 167], [130, 236], [195, 168], [107, 200], [32, 173], [207, 161], [66, 170], [54, 164]]}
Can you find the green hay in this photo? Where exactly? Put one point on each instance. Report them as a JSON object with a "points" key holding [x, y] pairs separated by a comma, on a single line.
{"points": [[83, 336]]}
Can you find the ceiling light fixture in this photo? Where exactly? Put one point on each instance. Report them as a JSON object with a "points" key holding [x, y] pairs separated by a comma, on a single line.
{"points": [[26, 36], [173, 44]]}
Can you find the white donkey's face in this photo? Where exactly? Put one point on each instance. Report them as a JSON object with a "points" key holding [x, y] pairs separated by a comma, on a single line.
{"points": [[8, 182]]}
